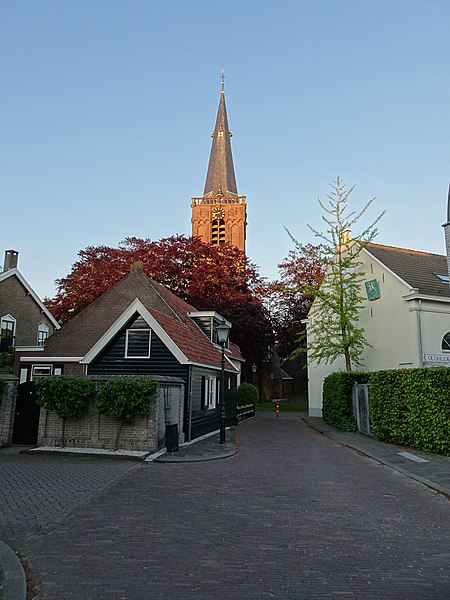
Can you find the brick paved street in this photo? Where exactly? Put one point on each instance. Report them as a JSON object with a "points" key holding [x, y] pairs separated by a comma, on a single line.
{"points": [[293, 515]]}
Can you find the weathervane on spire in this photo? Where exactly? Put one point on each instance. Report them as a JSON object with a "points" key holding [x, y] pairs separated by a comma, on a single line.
{"points": [[222, 77]]}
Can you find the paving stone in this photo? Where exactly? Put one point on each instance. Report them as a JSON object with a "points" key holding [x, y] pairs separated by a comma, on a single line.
{"points": [[292, 515]]}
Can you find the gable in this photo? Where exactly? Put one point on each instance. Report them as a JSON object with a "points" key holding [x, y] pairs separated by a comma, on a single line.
{"points": [[418, 270], [90, 331], [129, 316], [15, 289]]}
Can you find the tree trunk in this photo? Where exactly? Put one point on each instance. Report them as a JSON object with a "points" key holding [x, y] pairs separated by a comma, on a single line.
{"points": [[63, 434], [119, 429], [348, 362]]}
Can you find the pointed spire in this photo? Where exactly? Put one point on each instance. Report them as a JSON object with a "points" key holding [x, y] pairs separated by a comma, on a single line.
{"points": [[220, 179]]}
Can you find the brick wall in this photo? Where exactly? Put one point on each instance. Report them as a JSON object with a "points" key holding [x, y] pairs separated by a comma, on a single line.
{"points": [[100, 431], [16, 301], [7, 409]]}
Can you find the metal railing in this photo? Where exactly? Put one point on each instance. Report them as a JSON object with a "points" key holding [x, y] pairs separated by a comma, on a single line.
{"points": [[245, 412]]}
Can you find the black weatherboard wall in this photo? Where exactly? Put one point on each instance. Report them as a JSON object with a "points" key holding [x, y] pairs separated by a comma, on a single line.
{"points": [[112, 361]]}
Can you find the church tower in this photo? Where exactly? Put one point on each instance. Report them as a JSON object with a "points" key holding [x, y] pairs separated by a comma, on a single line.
{"points": [[220, 215]]}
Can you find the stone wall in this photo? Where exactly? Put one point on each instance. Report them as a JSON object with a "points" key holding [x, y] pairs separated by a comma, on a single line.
{"points": [[7, 409], [99, 431]]}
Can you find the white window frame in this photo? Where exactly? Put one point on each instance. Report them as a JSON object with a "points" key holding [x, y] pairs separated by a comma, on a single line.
{"points": [[23, 375], [45, 371], [129, 333], [446, 339], [210, 392], [43, 328], [9, 319]]}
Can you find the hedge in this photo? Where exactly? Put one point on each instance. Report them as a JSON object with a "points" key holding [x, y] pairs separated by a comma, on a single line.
{"points": [[411, 407]]}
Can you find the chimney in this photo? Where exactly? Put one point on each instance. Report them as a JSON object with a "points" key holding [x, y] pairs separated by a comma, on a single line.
{"points": [[11, 260], [446, 227]]}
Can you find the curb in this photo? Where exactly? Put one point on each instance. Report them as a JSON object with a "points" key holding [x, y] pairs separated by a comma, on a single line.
{"points": [[173, 458], [14, 581], [431, 484]]}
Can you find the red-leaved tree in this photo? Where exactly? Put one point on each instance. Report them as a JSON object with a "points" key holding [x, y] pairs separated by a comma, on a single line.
{"points": [[289, 298], [209, 277]]}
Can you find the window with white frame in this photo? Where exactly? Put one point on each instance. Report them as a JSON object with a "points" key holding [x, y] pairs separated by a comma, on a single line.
{"points": [[7, 332], [43, 331], [209, 392], [137, 343], [446, 342], [38, 371]]}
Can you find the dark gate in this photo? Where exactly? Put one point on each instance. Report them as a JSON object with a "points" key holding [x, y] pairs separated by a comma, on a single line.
{"points": [[361, 404], [26, 416]]}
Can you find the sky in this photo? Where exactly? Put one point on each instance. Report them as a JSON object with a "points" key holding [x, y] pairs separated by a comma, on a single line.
{"points": [[107, 107]]}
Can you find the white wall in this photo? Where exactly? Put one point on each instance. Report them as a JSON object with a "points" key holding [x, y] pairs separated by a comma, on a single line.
{"points": [[390, 327]]}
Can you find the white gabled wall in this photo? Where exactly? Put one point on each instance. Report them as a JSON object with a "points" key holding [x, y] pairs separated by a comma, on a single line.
{"points": [[390, 327]]}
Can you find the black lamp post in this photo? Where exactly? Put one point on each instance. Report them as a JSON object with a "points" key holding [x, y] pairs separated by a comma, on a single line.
{"points": [[223, 331]]}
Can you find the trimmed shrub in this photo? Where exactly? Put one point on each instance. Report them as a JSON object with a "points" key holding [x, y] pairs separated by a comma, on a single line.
{"points": [[67, 396], [411, 407], [247, 393], [125, 398], [337, 409]]}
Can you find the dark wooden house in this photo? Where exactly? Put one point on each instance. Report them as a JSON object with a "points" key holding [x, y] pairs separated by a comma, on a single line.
{"points": [[138, 327]]}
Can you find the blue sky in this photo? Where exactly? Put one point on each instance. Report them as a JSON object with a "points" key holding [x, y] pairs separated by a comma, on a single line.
{"points": [[107, 108]]}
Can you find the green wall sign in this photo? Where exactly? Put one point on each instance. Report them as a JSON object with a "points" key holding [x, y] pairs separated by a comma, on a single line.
{"points": [[372, 289]]}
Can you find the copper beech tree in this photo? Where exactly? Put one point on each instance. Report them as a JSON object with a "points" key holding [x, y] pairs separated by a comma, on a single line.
{"points": [[209, 277], [289, 297]]}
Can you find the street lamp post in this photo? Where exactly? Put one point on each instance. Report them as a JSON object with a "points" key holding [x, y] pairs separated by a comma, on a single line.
{"points": [[223, 331], [254, 369]]}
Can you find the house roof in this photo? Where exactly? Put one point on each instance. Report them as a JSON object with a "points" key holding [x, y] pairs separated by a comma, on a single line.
{"points": [[220, 178], [31, 292], [86, 334], [417, 269]]}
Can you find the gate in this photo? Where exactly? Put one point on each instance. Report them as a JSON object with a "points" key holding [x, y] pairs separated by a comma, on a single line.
{"points": [[361, 412], [26, 416]]}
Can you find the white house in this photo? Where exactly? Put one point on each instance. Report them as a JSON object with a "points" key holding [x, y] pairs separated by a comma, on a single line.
{"points": [[406, 314]]}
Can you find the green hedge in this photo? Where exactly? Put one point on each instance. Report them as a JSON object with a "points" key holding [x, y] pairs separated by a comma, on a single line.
{"points": [[411, 407], [337, 399], [126, 397], [67, 396], [247, 394]]}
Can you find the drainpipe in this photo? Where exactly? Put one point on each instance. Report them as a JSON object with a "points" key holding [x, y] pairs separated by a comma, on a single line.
{"points": [[419, 334], [189, 432]]}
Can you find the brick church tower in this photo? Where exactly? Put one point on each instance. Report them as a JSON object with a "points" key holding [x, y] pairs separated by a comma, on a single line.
{"points": [[220, 215]]}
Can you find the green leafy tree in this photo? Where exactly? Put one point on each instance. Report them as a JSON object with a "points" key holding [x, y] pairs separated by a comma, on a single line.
{"points": [[67, 396], [124, 398], [333, 325]]}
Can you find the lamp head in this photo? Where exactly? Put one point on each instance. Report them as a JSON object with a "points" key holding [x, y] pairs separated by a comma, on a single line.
{"points": [[223, 332]]}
